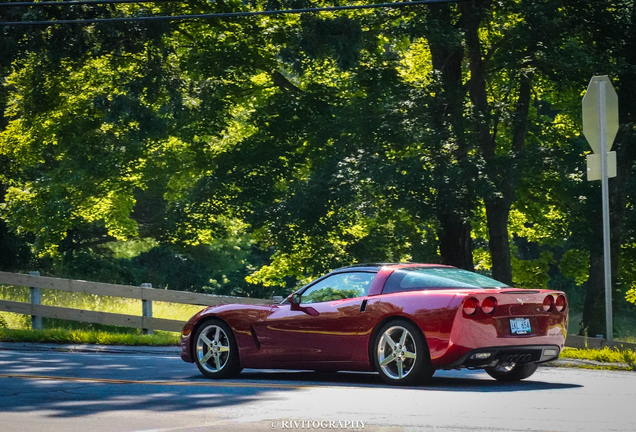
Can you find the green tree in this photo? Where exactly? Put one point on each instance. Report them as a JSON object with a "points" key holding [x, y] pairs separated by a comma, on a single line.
{"points": [[105, 126]]}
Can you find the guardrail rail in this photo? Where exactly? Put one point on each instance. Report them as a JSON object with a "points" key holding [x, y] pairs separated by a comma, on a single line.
{"points": [[146, 294]]}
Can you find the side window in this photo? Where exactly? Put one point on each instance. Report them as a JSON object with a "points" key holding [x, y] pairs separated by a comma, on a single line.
{"points": [[339, 286]]}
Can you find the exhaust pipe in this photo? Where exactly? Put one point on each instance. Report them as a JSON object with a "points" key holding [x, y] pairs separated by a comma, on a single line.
{"points": [[518, 358]]}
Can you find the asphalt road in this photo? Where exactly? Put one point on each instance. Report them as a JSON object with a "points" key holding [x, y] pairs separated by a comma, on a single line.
{"points": [[155, 390]]}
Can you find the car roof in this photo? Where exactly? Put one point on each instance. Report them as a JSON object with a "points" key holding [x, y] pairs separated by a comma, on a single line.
{"points": [[375, 267]]}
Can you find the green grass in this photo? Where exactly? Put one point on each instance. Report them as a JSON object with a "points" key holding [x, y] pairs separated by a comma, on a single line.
{"points": [[606, 355], [88, 337]]}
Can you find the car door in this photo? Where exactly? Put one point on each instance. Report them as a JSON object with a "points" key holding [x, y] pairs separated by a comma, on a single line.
{"points": [[322, 327]]}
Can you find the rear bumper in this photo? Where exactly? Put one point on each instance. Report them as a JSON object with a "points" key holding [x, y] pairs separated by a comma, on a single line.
{"points": [[492, 356]]}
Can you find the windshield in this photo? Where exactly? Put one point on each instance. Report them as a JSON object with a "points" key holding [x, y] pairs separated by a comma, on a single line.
{"points": [[422, 278]]}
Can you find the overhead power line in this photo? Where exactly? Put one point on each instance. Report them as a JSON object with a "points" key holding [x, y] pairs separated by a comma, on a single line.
{"points": [[81, 2], [227, 14]]}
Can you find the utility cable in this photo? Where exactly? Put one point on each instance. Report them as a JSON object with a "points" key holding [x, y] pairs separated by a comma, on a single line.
{"points": [[227, 14], [80, 2]]}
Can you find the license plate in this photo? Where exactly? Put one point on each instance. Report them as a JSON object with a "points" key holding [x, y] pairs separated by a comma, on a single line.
{"points": [[520, 326]]}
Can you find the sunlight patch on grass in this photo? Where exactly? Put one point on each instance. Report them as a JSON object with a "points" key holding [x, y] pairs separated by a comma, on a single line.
{"points": [[174, 311]]}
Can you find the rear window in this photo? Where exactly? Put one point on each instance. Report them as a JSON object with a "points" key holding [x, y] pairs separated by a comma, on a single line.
{"points": [[425, 278]]}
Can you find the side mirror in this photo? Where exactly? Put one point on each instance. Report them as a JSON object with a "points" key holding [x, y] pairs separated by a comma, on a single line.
{"points": [[290, 299], [294, 298]]}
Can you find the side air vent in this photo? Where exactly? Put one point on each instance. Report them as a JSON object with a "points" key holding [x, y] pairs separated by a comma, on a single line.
{"points": [[363, 306], [256, 342]]}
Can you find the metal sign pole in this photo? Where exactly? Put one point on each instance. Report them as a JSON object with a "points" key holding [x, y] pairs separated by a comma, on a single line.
{"points": [[602, 133], [600, 126]]}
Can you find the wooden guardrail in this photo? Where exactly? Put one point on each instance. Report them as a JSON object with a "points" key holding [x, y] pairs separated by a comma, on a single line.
{"points": [[146, 294]]}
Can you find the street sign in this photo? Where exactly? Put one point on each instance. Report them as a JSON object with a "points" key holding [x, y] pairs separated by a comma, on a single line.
{"points": [[594, 166], [600, 125], [591, 113]]}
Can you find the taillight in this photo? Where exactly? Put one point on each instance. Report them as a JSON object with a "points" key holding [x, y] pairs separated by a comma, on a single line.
{"points": [[560, 303], [548, 302], [470, 306], [488, 305]]}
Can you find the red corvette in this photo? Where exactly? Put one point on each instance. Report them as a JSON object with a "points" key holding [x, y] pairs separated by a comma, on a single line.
{"points": [[401, 320]]}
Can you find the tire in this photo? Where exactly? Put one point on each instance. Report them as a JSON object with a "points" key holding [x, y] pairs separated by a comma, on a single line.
{"points": [[401, 355], [215, 350], [514, 373]]}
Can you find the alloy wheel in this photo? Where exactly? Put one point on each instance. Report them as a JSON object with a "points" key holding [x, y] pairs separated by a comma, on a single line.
{"points": [[396, 352], [213, 348]]}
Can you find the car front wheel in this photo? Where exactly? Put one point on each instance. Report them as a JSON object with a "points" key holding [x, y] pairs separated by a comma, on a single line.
{"points": [[215, 350], [512, 373], [401, 354]]}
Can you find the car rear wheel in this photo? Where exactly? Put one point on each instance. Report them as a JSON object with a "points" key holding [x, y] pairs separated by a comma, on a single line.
{"points": [[401, 355], [512, 373], [215, 350]]}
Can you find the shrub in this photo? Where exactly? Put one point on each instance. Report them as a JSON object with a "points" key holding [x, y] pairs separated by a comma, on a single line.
{"points": [[629, 357]]}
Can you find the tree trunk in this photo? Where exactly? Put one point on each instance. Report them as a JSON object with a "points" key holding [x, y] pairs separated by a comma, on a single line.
{"points": [[455, 242], [593, 322], [502, 172], [497, 211], [455, 202]]}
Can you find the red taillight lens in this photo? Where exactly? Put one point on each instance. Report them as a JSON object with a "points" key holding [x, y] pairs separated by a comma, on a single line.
{"points": [[470, 306], [548, 302], [560, 303], [489, 304]]}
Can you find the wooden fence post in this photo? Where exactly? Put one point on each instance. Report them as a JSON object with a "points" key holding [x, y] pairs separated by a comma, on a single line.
{"points": [[146, 308], [36, 298]]}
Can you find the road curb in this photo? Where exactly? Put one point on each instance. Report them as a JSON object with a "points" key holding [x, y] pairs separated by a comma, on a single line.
{"points": [[111, 349], [568, 362]]}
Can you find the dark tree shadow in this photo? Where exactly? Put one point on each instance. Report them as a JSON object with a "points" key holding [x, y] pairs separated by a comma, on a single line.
{"points": [[474, 381], [75, 385]]}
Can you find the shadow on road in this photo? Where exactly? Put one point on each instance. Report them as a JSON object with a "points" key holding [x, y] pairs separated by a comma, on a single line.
{"points": [[75, 384], [474, 381], [73, 399]]}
